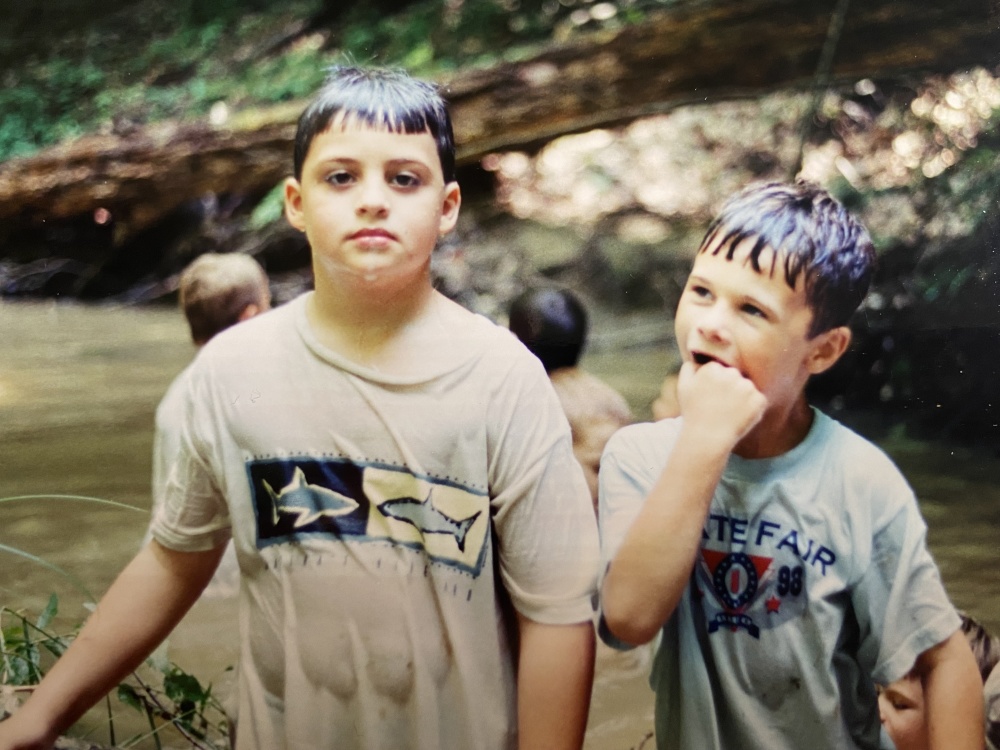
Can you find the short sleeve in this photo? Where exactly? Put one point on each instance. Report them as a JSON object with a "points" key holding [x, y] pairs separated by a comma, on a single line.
{"points": [[633, 459], [899, 598], [193, 515], [542, 511]]}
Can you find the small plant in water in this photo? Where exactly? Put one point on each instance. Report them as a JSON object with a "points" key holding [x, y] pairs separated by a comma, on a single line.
{"points": [[167, 695]]}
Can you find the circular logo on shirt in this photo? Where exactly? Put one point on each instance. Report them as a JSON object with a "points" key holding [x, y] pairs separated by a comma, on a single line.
{"points": [[735, 580]]}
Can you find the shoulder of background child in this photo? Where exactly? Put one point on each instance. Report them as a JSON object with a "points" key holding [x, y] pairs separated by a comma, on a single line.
{"points": [[587, 398]]}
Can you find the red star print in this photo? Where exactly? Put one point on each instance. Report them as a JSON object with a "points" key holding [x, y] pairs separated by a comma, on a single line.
{"points": [[773, 604]]}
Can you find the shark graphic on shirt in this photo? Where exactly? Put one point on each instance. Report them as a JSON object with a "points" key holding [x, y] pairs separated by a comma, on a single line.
{"points": [[361, 503], [308, 501], [429, 520]]}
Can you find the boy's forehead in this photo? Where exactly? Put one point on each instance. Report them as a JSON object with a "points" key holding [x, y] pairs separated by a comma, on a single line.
{"points": [[380, 121], [740, 249], [769, 263], [352, 124], [343, 133]]}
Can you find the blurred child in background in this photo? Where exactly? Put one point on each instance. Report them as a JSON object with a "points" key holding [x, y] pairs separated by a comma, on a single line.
{"points": [[553, 324]]}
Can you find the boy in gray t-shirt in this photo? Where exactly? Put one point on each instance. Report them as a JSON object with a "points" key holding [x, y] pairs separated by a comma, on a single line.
{"points": [[781, 557]]}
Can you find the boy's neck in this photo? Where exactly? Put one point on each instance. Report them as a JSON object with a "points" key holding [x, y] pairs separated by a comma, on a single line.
{"points": [[778, 432], [381, 303], [381, 327]]}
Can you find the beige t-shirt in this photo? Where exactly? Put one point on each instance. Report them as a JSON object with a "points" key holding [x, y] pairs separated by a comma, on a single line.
{"points": [[380, 523]]}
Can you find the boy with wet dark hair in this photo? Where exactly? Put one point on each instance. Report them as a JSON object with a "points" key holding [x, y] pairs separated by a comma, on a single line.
{"points": [[780, 556], [379, 101], [553, 324], [394, 472]]}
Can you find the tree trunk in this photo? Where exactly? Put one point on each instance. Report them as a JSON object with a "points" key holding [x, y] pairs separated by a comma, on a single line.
{"points": [[694, 52]]}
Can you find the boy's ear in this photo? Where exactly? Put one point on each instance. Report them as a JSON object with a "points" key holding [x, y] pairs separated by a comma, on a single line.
{"points": [[449, 208], [250, 311], [293, 204], [827, 349]]}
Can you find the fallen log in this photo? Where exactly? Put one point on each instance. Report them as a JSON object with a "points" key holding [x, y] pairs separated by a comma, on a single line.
{"points": [[693, 52]]}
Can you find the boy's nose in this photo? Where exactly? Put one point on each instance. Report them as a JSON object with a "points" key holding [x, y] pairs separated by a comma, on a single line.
{"points": [[373, 197], [713, 324]]}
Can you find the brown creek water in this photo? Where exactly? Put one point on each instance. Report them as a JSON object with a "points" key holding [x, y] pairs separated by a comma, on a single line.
{"points": [[78, 389]]}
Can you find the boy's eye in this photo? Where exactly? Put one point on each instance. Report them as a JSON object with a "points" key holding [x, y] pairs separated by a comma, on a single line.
{"points": [[754, 310], [699, 291], [405, 180], [339, 177]]}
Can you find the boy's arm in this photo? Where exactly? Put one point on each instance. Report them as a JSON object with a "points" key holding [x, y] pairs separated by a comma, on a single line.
{"points": [[139, 610], [555, 674], [653, 565], [953, 695]]}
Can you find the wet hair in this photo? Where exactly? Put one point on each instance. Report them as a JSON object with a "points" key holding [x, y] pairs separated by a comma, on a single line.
{"points": [[378, 98], [813, 237], [215, 289], [984, 647], [552, 323]]}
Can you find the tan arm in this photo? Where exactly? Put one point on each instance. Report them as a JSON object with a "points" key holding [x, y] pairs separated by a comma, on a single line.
{"points": [[139, 610], [555, 676], [953, 695]]}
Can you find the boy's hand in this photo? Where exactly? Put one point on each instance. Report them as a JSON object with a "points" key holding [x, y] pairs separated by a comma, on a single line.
{"points": [[647, 575], [14, 736], [718, 403]]}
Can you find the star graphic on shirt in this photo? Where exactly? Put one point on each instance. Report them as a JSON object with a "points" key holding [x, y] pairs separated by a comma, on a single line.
{"points": [[773, 604], [308, 501]]}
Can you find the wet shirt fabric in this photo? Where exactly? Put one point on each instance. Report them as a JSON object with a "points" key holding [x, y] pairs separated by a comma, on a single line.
{"points": [[166, 445], [381, 525], [813, 580]]}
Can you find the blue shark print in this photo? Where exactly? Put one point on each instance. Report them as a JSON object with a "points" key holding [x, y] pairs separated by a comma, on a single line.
{"points": [[315, 498], [308, 501], [427, 518]]}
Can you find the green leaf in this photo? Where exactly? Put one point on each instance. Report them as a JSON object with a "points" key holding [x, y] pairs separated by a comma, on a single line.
{"points": [[18, 671], [50, 612], [270, 209], [128, 695], [55, 646], [23, 666], [181, 687], [159, 660]]}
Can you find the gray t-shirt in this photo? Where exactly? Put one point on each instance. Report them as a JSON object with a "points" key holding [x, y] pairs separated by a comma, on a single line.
{"points": [[813, 581]]}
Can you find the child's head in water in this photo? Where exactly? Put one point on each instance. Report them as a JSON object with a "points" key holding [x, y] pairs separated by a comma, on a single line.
{"points": [[901, 703], [219, 290], [552, 323]]}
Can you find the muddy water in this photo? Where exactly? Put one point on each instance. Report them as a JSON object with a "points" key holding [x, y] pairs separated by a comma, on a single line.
{"points": [[78, 388]]}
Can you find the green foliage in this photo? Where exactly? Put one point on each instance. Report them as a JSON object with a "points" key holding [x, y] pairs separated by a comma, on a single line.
{"points": [[164, 693], [98, 68], [27, 649], [270, 209]]}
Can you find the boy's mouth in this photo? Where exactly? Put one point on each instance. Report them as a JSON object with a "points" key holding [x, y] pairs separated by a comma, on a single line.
{"points": [[372, 234], [700, 358]]}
